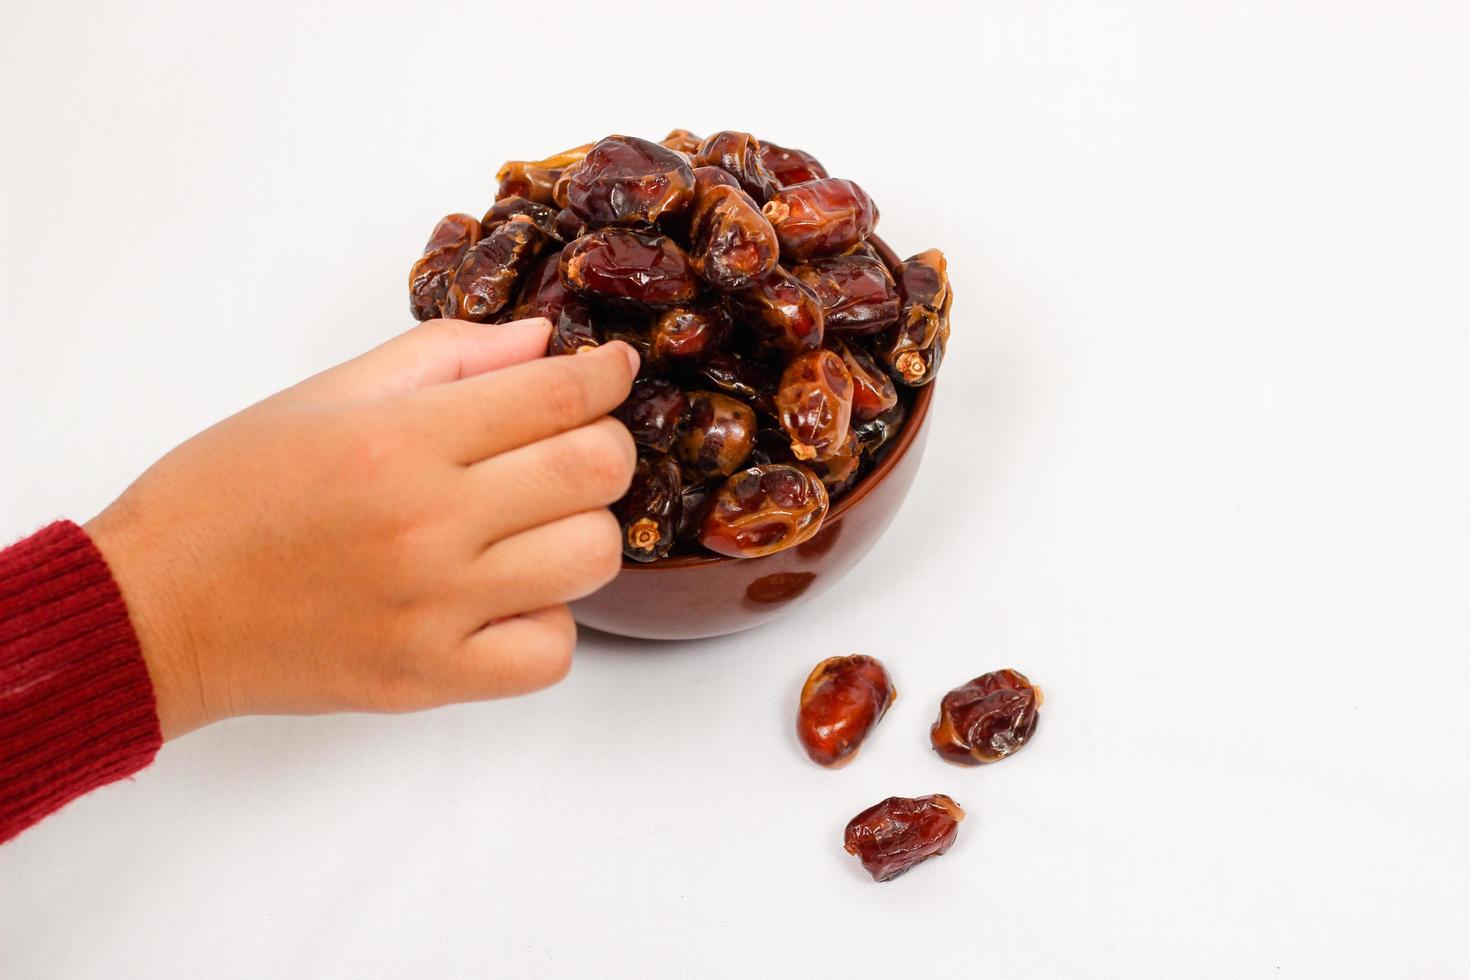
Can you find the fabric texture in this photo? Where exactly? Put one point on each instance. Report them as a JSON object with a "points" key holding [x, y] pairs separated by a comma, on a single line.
{"points": [[77, 707]]}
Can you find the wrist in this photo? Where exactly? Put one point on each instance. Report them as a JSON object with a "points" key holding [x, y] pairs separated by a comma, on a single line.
{"points": [[154, 609]]}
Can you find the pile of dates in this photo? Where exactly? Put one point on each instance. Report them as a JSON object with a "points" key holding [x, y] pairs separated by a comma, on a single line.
{"points": [[778, 346], [982, 721]]}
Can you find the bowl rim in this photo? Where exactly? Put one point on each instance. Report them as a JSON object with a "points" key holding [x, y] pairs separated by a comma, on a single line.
{"points": [[918, 412]]}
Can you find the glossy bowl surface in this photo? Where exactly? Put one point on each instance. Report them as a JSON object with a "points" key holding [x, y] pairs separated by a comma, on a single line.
{"points": [[695, 596]]}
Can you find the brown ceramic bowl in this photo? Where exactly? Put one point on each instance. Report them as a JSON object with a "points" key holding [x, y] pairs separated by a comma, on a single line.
{"points": [[694, 596]]}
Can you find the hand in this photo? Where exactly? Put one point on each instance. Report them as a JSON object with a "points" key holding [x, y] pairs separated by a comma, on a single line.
{"points": [[399, 532]]}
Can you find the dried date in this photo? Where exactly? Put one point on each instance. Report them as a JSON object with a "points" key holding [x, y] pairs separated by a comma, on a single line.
{"points": [[559, 189], [731, 243], [986, 719], [839, 472], [772, 446], [814, 401], [568, 226], [649, 512], [622, 266], [783, 310], [878, 432], [857, 294], [914, 348], [508, 207], [535, 179], [743, 377], [682, 141], [764, 509], [788, 166], [486, 278], [653, 412], [707, 179], [428, 280], [625, 180], [694, 503], [633, 330], [717, 436], [841, 703], [893, 836], [690, 334], [542, 294], [573, 330], [821, 217], [872, 390], [739, 155], [728, 264], [526, 180]]}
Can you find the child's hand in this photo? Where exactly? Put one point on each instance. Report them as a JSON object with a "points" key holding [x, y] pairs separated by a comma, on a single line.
{"points": [[399, 532]]}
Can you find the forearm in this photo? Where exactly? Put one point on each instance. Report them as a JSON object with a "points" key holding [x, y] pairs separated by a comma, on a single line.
{"points": [[76, 704]]}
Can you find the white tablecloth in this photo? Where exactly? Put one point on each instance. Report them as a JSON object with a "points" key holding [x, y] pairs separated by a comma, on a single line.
{"points": [[1198, 468]]}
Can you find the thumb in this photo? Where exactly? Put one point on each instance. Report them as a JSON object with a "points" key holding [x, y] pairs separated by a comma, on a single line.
{"points": [[434, 352]]}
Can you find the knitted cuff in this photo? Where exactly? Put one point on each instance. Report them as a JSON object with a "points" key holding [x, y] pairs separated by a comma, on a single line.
{"points": [[76, 704]]}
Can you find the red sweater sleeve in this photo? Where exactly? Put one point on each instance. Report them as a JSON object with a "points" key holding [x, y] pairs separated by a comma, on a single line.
{"points": [[76, 704]]}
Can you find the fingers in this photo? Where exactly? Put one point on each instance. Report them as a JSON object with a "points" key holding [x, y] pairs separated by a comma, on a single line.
{"points": [[514, 656], [571, 472], [544, 566], [476, 418], [434, 352]]}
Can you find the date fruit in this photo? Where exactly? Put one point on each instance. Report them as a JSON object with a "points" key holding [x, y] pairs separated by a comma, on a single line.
{"points": [[815, 404], [730, 242], [821, 217], [783, 310], [649, 512], [572, 327], [682, 141], [486, 278], [876, 433], [987, 719], [717, 435], [772, 446], [857, 293], [689, 334], [653, 412], [763, 510], [428, 280], [535, 179], [742, 377], [893, 836], [622, 266], [707, 179], [568, 226], [790, 166], [841, 703], [693, 504], [739, 155], [914, 348], [508, 207], [872, 390], [839, 472], [629, 181], [779, 342], [573, 330]]}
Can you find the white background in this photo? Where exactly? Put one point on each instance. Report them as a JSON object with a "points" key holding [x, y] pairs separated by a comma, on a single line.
{"points": [[1199, 468]]}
